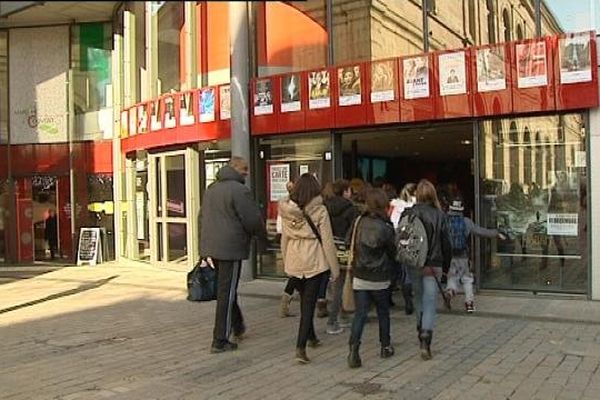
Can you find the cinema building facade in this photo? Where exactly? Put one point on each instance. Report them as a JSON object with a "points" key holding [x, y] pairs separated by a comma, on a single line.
{"points": [[497, 100]]}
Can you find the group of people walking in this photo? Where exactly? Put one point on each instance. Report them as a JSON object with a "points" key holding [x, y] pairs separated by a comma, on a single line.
{"points": [[310, 222]]}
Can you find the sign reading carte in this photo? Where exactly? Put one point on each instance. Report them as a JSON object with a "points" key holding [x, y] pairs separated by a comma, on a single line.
{"points": [[279, 176], [89, 249]]}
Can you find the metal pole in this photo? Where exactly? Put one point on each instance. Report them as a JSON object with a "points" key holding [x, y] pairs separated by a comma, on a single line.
{"points": [[70, 125], [538, 18], [329, 17], [425, 12]]}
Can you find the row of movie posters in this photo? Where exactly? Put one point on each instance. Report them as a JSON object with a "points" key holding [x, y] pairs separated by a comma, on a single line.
{"points": [[532, 71], [206, 110]]}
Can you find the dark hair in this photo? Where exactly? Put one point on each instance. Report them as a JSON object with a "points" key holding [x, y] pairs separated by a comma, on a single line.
{"points": [[306, 189], [340, 186], [377, 201], [426, 194], [328, 191]]}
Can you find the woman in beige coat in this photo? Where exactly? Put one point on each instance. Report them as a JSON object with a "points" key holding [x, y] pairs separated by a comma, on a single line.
{"points": [[307, 254]]}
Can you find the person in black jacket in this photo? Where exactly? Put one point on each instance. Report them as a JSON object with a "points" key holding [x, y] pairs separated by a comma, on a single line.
{"points": [[439, 255], [229, 218], [374, 252], [51, 232]]}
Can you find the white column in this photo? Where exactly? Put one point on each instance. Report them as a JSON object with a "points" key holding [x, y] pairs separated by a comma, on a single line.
{"points": [[594, 195]]}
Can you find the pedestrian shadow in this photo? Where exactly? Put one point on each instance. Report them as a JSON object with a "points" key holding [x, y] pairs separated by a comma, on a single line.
{"points": [[81, 288]]}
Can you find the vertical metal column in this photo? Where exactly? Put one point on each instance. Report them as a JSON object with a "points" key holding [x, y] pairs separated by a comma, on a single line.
{"points": [[240, 111], [538, 18], [425, 10]]}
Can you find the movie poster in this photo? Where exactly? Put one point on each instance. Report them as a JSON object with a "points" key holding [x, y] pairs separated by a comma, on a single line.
{"points": [[319, 90], [491, 69], [155, 115], [349, 82], [532, 68], [186, 110], [142, 118], [207, 105], [382, 81], [263, 97], [132, 121], [124, 125], [575, 58], [452, 73], [225, 102], [170, 119], [290, 93], [416, 77]]}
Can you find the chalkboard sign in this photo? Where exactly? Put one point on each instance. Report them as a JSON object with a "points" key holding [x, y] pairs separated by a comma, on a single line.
{"points": [[89, 250]]}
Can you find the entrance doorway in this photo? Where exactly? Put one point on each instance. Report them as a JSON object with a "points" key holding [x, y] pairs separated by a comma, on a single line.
{"points": [[394, 157], [46, 242]]}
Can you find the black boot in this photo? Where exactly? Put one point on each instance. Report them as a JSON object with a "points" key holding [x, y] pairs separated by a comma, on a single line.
{"points": [[353, 357], [425, 339], [408, 299]]}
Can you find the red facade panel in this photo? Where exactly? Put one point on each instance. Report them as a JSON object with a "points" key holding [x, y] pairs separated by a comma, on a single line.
{"points": [[319, 112], [265, 105], [491, 80], [294, 101]]}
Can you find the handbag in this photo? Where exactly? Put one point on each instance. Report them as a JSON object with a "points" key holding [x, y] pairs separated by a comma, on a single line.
{"points": [[348, 303], [202, 283]]}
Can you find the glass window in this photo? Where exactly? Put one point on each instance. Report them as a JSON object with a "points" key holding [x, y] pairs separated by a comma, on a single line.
{"points": [[540, 204], [175, 170], [170, 17], [291, 36], [284, 159]]}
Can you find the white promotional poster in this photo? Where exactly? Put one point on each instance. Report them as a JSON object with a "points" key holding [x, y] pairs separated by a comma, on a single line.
{"points": [[170, 119], [290, 93], [562, 224], [575, 58], [186, 113], [319, 90], [155, 115], [225, 102], [491, 69], [207, 105], [279, 176], [132, 121], [263, 97], [532, 68], [416, 77], [349, 86], [452, 73]]}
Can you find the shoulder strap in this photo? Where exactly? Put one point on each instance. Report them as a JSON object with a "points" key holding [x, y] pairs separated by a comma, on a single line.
{"points": [[312, 226], [352, 241]]}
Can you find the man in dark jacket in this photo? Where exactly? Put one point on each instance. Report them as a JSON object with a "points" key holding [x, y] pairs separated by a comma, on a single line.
{"points": [[229, 218]]}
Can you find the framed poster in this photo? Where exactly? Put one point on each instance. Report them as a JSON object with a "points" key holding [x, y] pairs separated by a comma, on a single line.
{"points": [[416, 77], [532, 68], [225, 102], [124, 125], [132, 121], [207, 105], [279, 176], [575, 58], [491, 69], [186, 111], [263, 97], [383, 81], [452, 73], [319, 88], [349, 84], [170, 120], [290, 93], [563, 224], [142, 116], [155, 115]]}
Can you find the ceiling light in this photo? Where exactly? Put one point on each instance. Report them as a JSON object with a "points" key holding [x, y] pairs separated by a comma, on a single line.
{"points": [[422, 137], [466, 142]]}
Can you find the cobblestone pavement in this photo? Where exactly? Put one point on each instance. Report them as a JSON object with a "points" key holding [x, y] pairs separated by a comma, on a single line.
{"points": [[129, 333]]}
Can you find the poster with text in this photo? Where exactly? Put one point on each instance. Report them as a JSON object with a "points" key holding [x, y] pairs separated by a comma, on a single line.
{"points": [[170, 112], [155, 115], [132, 121], [349, 83], [562, 224], [383, 81], [263, 97], [207, 105], [575, 58], [491, 69], [186, 109], [225, 102], [416, 77], [532, 70], [142, 116], [290, 93], [279, 175], [319, 90], [452, 73]]}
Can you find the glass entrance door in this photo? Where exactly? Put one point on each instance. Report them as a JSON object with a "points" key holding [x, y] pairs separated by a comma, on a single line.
{"points": [[172, 208]]}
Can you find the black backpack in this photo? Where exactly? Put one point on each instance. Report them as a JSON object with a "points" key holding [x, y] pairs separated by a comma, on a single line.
{"points": [[202, 283], [411, 241]]}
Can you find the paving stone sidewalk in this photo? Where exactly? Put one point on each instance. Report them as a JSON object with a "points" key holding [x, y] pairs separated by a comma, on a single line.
{"points": [[125, 332]]}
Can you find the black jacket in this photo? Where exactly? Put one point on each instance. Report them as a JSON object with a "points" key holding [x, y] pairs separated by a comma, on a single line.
{"points": [[229, 218], [374, 248], [341, 213], [439, 253]]}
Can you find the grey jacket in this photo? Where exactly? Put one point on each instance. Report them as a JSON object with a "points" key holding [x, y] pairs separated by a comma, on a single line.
{"points": [[473, 229], [229, 218]]}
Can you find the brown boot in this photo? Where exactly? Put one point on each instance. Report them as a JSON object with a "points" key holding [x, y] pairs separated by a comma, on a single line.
{"points": [[322, 308], [284, 306]]}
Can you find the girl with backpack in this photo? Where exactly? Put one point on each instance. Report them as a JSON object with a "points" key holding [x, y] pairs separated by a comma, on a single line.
{"points": [[425, 279], [373, 247]]}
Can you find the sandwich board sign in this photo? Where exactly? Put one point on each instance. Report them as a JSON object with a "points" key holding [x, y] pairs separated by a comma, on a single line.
{"points": [[89, 249]]}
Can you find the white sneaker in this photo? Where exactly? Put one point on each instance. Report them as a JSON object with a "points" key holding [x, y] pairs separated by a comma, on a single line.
{"points": [[334, 329]]}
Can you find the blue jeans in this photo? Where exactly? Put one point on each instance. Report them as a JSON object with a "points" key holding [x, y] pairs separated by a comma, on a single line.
{"points": [[363, 299], [425, 298]]}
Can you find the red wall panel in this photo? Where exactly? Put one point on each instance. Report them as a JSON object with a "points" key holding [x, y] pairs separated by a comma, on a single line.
{"points": [[449, 105], [294, 88], [319, 81], [350, 106], [496, 62], [266, 121]]}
